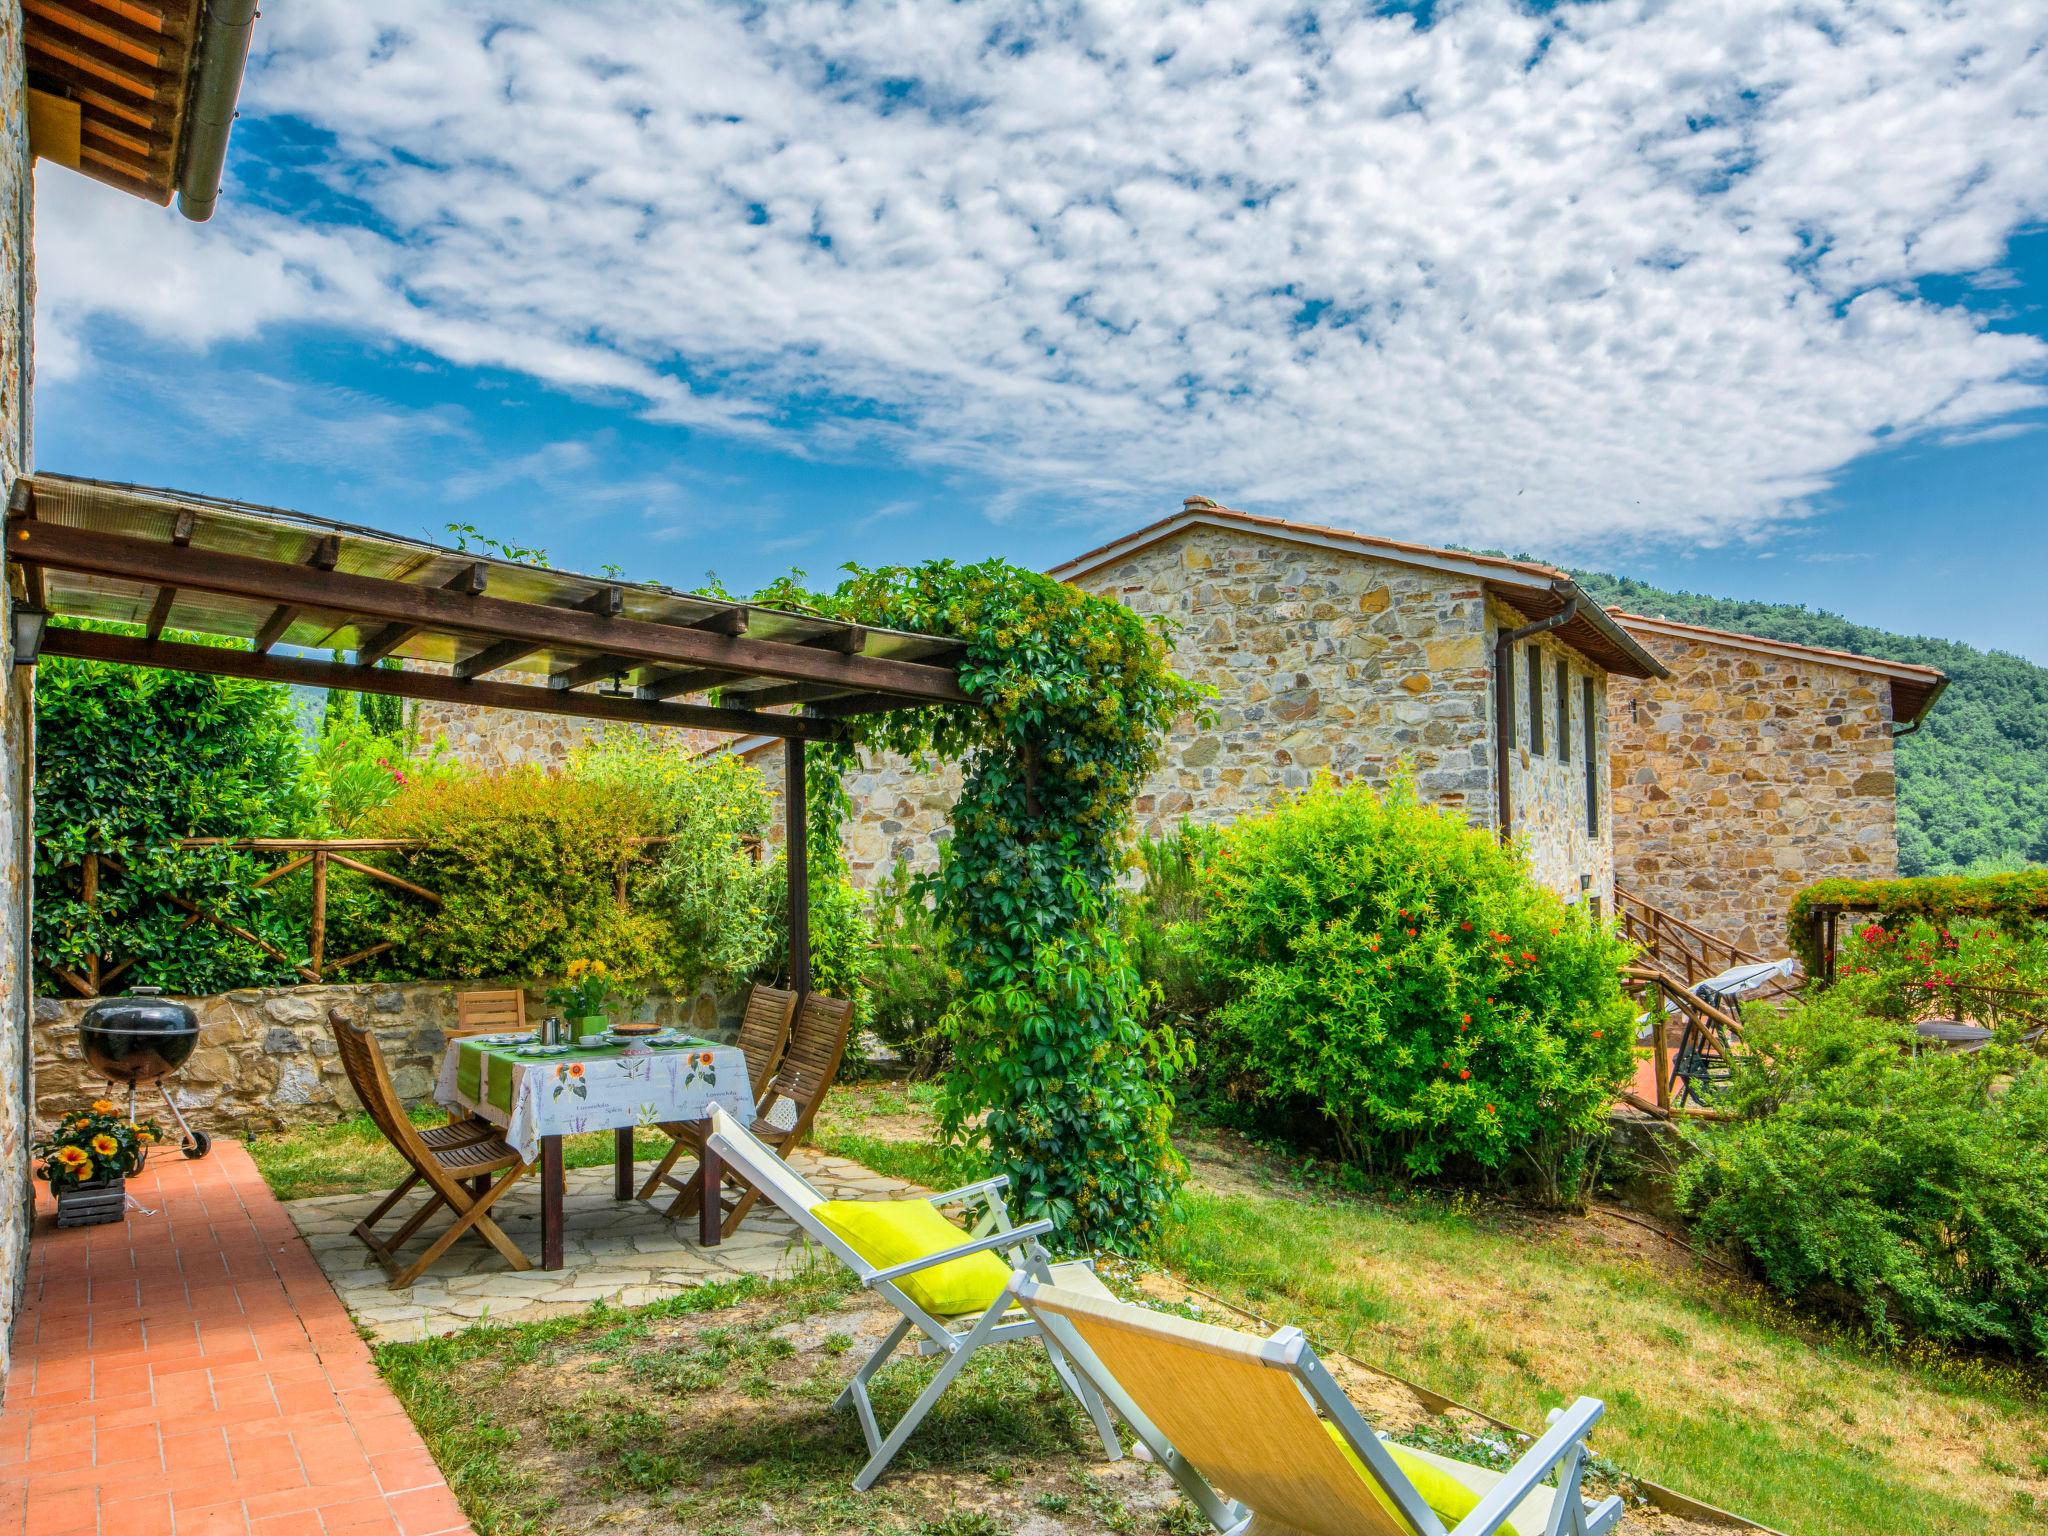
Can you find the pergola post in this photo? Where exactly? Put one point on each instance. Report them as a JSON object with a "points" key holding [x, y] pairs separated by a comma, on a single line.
{"points": [[796, 862]]}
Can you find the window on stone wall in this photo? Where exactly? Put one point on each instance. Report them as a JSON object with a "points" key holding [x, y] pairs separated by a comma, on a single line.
{"points": [[1535, 700], [1564, 711], [1591, 726]]}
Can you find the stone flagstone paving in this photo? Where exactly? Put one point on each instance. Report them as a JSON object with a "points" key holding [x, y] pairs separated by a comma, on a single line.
{"points": [[621, 1252]]}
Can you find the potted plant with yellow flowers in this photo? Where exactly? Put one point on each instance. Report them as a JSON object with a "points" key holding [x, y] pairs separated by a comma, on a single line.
{"points": [[88, 1158], [584, 996]]}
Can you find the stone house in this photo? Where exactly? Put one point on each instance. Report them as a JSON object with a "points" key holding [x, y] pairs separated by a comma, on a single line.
{"points": [[1339, 651], [1753, 768]]}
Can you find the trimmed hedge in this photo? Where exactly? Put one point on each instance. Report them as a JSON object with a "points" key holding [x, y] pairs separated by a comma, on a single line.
{"points": [[2011, 901]]}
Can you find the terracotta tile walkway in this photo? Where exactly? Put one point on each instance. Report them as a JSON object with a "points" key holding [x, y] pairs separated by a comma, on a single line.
{"points": [[191, 1373]]}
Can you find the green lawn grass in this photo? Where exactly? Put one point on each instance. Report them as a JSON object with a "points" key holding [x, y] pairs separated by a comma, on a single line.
{"points": [[1712, 1387]]}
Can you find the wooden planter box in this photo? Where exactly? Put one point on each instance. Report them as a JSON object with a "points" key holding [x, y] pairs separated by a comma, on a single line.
{"points": [[88, 1205]]}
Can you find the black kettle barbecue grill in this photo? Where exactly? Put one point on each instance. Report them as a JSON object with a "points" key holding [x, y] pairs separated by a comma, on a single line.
{"points": [[143, 1038]]}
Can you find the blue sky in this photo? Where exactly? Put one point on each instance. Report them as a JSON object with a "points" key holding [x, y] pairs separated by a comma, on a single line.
{"points": [[1751, 305]]}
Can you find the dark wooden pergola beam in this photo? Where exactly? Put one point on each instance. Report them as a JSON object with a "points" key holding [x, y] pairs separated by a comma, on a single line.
{"points": [[21, 504], [368, 597], [160, 610], [472, 579], [91, 645], [325, 557], [492, 657], [781, 693], [666, 685], [595, 670]]}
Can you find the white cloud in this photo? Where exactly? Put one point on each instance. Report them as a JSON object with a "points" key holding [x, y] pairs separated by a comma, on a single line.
{"points": [[1633, 271]]}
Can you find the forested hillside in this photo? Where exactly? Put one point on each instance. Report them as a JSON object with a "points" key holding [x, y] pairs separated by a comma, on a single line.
{"points": [[1973, 782]]}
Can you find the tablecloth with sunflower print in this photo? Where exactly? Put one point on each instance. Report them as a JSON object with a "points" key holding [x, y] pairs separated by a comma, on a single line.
{"points": [[599, 1089]]}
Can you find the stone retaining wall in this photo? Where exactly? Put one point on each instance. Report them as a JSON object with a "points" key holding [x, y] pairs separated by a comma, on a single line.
{"points": [[267, 1060]]}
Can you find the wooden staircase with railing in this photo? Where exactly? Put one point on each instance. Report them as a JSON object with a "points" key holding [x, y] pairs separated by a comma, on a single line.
{"points": [[1694, 1039]]}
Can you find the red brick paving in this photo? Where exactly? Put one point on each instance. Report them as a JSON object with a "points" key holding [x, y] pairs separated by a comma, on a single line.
{"points": [[191, 1373]]}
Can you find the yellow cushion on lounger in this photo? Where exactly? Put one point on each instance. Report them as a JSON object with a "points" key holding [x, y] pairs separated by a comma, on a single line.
{"points": [[891, 1232], [1442, 1490]]}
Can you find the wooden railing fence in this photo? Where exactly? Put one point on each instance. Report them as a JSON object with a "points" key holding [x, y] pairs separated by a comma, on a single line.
{"points": [[1680, 947]]}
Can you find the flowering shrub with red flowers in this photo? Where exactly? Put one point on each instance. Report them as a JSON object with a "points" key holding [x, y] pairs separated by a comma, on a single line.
{"points": [[1402, 973], [1918, 968]]}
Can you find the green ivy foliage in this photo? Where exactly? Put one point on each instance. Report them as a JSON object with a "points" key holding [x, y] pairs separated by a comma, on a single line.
{"points": [[1400, 971], [2014, 901], [130, 759], [1908, 1186], [1055, 1062]]}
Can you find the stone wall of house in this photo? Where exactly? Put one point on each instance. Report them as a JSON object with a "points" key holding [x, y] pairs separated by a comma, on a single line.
{"points": [[17, 712], [1742, 778], [1320, 660], [490, 739], [266, 1058], [1548, 765]]}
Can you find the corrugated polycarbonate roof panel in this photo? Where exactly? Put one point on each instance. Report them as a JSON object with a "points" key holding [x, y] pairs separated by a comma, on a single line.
{"points": [[277, 534]]}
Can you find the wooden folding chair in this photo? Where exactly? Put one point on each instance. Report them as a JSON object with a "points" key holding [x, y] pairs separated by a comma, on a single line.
{"points": [[443, 1167], [484, 1013], [764, 1036], [994, 1319], [1263, 1442], [783, 1115], [489, 1013]]}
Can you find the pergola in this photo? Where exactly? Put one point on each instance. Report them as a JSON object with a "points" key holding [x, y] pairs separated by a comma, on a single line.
{"points": [[481, 631]]}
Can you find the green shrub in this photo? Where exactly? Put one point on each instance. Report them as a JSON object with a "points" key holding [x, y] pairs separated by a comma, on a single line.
{"points": [[909, 984], [1910, 1187], [1160, 913], [1400, 972], [714, 898], [128, 761], [526, 864], [350, 769]]}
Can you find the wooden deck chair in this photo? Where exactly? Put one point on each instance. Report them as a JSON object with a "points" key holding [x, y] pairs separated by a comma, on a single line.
{"points": [[764, 1035], [1264, 1443], [786, 1108], [940, 1276], [443, 1168]]}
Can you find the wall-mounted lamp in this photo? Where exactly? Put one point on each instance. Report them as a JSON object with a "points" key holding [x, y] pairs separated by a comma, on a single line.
{"points": [[28, 623]]}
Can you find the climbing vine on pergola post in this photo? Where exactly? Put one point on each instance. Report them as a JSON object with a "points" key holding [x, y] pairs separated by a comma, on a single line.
{"points": [[1053, 1051]]}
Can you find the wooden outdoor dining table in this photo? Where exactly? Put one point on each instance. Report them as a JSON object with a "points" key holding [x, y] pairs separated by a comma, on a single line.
{"points": [[539, 1099]]}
